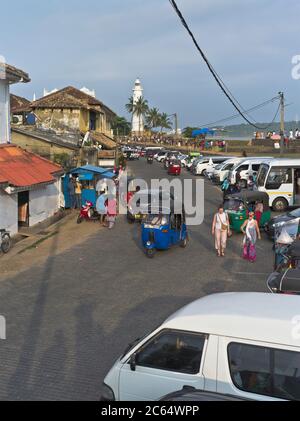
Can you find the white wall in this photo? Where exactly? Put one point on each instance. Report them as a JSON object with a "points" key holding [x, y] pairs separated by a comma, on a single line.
{"points": [[43, 203], [9, 212], [4, 112]]}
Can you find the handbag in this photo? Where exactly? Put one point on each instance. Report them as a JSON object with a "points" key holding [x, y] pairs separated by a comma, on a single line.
{"points": [[224, 227]]}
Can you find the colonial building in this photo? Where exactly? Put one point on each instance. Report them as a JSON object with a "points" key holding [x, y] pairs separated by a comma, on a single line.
{"points": [[8, 76], [30, 188], [19, 109], [70, 109]]}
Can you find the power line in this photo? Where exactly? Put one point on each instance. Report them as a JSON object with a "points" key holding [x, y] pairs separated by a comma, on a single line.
{"points": [[217, 78], [234, 116]]}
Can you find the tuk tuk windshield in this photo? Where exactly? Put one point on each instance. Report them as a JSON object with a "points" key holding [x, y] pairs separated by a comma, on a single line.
{"points": [[232, 204], [156, 221]]}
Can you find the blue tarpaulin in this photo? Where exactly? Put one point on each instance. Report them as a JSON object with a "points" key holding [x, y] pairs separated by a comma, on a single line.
{"points": [[204, 131], [89, 174]]}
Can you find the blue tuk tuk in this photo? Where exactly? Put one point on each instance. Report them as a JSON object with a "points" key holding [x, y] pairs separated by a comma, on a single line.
{"points": [[162, 229]]}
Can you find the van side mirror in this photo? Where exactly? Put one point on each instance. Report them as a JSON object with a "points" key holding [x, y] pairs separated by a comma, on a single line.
{"points": [[133, 362]]}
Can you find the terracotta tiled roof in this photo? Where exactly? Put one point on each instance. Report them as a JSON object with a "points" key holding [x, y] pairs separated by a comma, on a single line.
{"points": [[104, 140], [70, 97], [19, 104], [20, 168], [67, 98]]}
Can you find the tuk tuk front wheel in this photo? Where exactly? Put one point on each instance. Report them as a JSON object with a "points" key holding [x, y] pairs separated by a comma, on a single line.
{"points": [[280, 204], [150, 253]]}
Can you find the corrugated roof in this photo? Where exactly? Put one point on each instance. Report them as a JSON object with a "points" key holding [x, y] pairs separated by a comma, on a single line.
{"points": [[20, 168], [104, 140]]}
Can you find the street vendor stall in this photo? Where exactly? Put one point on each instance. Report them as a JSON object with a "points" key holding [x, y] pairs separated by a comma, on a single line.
{"points": [[90, 178]]}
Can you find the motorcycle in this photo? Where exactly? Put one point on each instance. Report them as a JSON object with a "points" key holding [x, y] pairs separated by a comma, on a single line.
{"points": [[150, 160], [5, 241], [88, 213]]}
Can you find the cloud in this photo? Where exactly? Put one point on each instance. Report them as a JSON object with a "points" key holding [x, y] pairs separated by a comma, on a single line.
{"points": [[106, 44]]}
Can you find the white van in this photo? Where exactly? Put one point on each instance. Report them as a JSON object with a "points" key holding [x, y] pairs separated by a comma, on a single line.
{"points": [[221, 172], [241, 344], [246, 168], [280, 178], [206, 163]]}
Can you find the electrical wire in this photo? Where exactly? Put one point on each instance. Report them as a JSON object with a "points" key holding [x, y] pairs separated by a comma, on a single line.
{"points": [[257, 107], [217, 78]]}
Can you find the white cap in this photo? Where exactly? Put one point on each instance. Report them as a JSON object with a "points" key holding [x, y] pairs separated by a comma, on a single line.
{"points": [[285, 238]]}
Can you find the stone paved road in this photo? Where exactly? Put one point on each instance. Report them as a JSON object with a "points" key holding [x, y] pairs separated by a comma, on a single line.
{"points": [[68, 320]]}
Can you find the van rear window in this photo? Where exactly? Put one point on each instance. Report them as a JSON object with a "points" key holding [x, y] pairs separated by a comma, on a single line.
{"points": [[265, 371]]}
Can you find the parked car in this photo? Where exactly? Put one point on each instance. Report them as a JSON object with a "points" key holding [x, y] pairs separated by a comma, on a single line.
{"points": [[200, 166], [235, 343], [280, 221], [190, 394]]}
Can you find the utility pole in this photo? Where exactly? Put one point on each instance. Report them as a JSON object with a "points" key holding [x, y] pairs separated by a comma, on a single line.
{"points": [[282, 126], [176, 124]]}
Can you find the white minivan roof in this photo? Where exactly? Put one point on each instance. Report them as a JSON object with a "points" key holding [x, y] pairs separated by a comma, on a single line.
{"points": [[254, 316]]}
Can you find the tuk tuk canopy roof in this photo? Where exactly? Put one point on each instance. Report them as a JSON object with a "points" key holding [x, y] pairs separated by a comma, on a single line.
{"points": [[251, 196]]}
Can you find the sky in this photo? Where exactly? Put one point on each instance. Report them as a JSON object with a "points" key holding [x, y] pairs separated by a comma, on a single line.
{"points": [[106, 44]]}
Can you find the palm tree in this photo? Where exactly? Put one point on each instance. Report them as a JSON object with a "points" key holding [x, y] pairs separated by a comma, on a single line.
{"points": [[140, 109], [130, 105], [165, 122], [153, 118]]}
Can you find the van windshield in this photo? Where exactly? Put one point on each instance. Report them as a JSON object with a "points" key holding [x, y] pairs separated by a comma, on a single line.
{"points": [[262, 175]]}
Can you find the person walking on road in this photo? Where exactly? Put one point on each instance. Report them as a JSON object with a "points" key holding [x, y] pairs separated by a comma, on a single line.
{"points": [[71, 188], [100, 206], [221, 230], [251, 232], [78, 193]]}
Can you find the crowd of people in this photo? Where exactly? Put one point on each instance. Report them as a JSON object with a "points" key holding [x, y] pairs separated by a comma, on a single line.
{"points": [[198, 143]]}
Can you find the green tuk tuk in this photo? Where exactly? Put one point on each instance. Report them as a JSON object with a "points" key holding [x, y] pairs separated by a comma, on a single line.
{"points": [[238, 206]]}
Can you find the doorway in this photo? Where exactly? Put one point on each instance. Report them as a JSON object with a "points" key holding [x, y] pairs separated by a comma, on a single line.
{"points": [[93, 121], [23, 209]]}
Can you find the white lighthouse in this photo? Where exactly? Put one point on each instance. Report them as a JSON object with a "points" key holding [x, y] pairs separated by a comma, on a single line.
{"points": [[137, 121]]}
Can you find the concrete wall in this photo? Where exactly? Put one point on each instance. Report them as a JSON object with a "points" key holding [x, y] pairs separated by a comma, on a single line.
{"points": [[9, 212], [43, 203], [4, 112]]}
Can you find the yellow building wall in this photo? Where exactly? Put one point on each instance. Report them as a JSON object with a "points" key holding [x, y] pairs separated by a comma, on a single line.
{"points": [[40, 147]]}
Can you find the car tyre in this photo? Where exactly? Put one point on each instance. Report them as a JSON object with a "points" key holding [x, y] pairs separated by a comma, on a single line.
{"points": [[6, 243], [280, 204]]}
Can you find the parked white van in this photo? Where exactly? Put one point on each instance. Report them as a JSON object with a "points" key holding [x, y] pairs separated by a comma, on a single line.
{"points": [[280, 178], [242, 344], [221, 172], [206, 163], [246, 168]]}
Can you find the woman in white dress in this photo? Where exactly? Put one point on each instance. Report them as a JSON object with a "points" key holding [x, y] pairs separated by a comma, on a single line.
{"points": [[220, 230]]}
